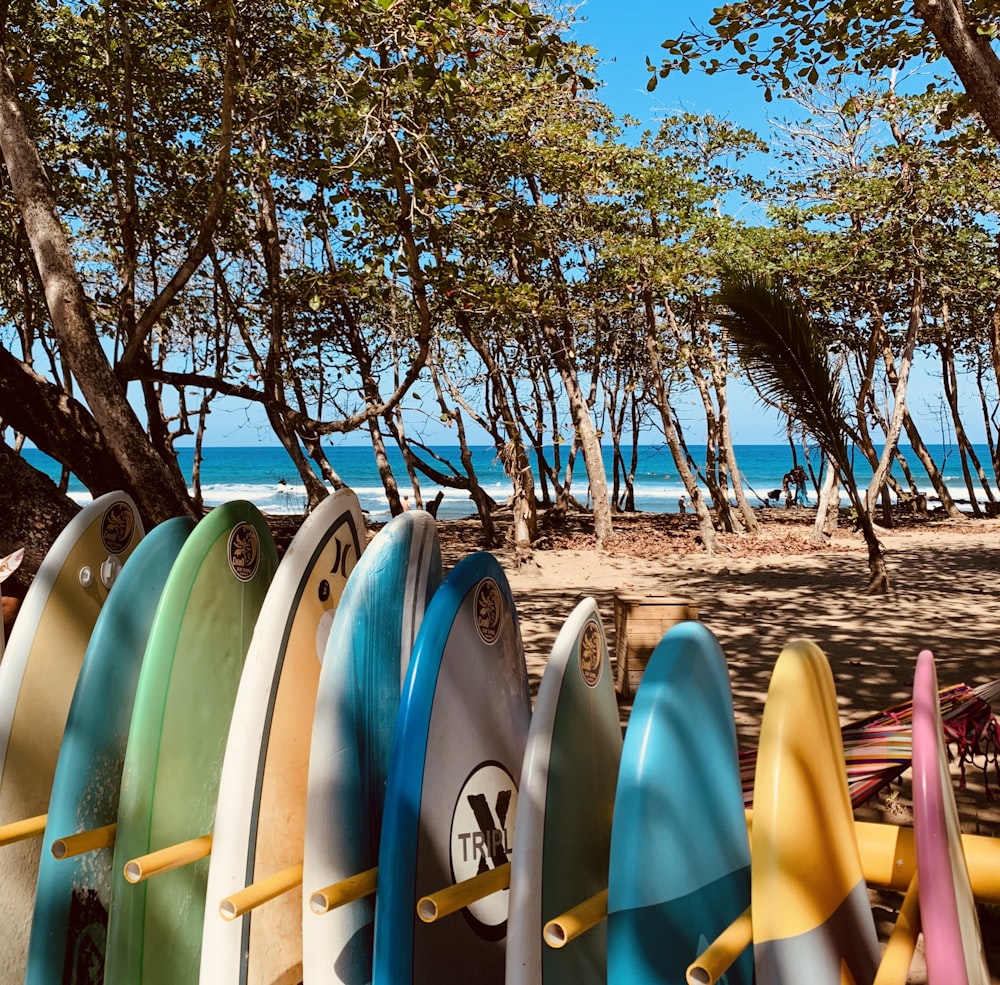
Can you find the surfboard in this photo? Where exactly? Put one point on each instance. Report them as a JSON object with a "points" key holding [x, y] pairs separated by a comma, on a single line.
{"points": [[812, 919], [260, 817], [71, 903], [451, 791], [37, 677], [183, 703], [359, 692], [680, 855], [952, 940], [566, 799]]}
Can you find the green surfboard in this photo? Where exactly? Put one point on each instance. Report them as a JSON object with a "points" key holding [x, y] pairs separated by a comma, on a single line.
{"points": [[173, 759]]}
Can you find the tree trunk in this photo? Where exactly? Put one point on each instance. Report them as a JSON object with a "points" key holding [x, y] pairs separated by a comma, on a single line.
{"points": [[970, 53], [706, 526], [828, 506], [586, 433], [159, 491], [729, 454], [885, 461], [33, 512]]}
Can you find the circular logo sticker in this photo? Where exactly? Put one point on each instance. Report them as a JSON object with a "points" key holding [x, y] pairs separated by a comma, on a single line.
{"points": [[117, 527], [591, 654], [489, 609], [244, 551], [482, 836]]}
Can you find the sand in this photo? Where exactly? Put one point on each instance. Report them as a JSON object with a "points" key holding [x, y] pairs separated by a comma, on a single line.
{"points": [[757, 593]]}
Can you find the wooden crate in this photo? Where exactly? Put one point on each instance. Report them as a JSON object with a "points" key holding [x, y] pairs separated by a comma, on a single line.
{"points": [[640, 622]]}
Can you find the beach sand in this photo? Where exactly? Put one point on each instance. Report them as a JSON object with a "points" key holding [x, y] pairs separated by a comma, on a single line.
{"points": [[758, 593]]}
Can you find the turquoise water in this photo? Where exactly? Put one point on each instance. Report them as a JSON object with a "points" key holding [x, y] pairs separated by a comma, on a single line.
{"points": [[266, 477]]}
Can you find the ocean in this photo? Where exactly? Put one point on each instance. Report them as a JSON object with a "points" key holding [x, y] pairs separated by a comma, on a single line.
{"points": [[265, 476]]}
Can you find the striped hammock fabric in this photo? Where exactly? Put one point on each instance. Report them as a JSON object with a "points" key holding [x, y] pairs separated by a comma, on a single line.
{"points": [[877, 749]]}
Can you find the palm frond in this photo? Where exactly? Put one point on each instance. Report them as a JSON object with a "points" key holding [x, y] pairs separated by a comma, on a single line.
{"points": [[783, 355]]}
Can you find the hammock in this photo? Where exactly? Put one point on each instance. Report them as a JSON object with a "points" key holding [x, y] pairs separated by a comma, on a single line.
{"points": [[878, 749]]}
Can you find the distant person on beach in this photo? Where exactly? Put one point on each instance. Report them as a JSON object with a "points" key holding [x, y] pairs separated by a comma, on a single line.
{"points": [[406, 502], [798, 476], [682, 505]]}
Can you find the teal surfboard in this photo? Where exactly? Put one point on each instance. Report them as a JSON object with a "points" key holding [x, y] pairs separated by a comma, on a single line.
{"points": [[38, 675], [184, 699], [71, 903], [359, 689], [680, 855], [565, 804], [451, 791]]}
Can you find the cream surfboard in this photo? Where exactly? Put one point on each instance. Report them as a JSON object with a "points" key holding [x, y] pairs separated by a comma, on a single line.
{"points": [[953, 943], [170, 779], [451, 790], [260, 817], [71, 905], [359, 692], [812, 920], [566, 799], [37, 677]]}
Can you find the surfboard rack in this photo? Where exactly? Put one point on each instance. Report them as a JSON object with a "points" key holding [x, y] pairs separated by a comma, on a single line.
{"points": [[577, 920], [346, 891], [84, 841], [258, 893], [451, 899], [166, 859], [31, 827]]}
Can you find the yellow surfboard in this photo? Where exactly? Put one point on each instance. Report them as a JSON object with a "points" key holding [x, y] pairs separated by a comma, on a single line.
{"points": [[812, 920]]}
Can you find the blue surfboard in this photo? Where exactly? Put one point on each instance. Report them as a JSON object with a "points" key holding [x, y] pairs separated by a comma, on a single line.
{"points": [[365, 660], [71, 904], [680, 854], [451, 792]]}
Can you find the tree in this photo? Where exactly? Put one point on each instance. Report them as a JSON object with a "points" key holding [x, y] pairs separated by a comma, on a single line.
{"points": [[778, 344], [785, 43]]}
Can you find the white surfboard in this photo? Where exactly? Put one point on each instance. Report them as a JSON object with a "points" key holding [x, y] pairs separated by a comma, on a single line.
{"points": [[260, 816]]}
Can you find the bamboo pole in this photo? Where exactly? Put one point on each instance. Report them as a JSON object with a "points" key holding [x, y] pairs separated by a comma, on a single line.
{"points": [[898, 954], [346, 891], [84, 841], [566, 927], [449, 900], [166, 859], [719, 956], [30, 827], [257, 893]]}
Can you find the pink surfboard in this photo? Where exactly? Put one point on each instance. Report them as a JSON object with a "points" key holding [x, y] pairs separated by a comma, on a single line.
{"points": [[952, 940]]}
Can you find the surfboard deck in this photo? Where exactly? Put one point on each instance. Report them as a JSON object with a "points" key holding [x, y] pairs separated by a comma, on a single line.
{"points": [[260, 815], [952, 939], [184, 699], [38, 675], [680, 855], [566, 800], [451, 792], [359, 692], [562, 841], [811, 913], [69, 928]]}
